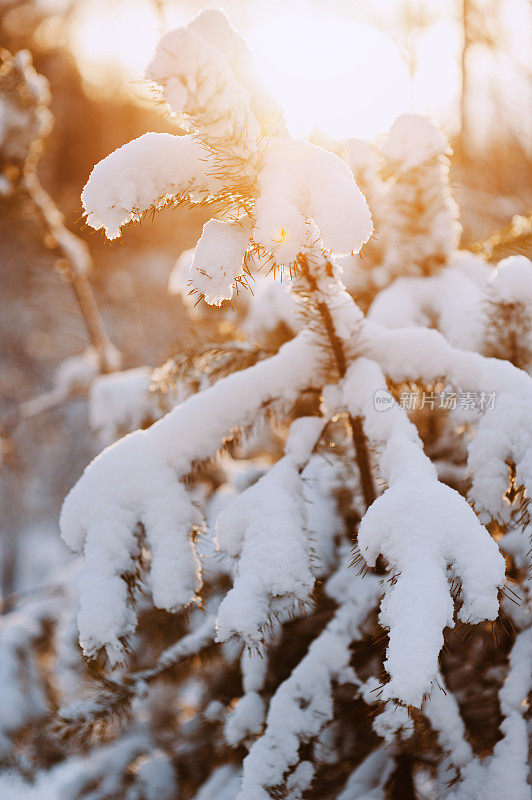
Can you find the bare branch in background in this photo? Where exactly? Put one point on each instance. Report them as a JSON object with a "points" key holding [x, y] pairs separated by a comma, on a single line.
{"points": [[74, 266], [27, 121]]}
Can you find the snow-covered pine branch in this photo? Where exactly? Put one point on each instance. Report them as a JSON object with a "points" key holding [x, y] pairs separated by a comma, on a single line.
{"points": [[301, 697], [504, 432], [26, 118], [26, 122], [507, 317], [303, 704], [142, 175], [424, 529], [266, 525], [406, 183], [121, 402], [418, 200], [505, 771], [23, 692], [151, 496], [234, 157]]}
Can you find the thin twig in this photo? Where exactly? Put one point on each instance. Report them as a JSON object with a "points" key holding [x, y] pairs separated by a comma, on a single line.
{"points": [[75, 267], [43, 403]]}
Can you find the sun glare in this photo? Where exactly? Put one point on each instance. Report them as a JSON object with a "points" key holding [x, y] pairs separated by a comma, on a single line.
{"points": [[341, 76], [113, 42], [329, 72]]}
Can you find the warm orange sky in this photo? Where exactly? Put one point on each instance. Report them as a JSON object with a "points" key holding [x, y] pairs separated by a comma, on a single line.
{"points": [[328, 68]]}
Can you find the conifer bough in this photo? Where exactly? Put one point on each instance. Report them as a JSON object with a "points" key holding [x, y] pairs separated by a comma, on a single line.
{"points": [[291, 208]]}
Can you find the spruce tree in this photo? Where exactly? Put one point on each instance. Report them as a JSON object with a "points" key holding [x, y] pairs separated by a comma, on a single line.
{"points": [[279, 597]]}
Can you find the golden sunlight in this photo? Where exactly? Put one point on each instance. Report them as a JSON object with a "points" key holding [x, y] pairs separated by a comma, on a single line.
{"points": [[339, 75], [113, 42], [342, 75]]}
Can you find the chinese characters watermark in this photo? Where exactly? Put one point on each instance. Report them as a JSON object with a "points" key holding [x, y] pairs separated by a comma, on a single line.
{"points": [[446, 400]]}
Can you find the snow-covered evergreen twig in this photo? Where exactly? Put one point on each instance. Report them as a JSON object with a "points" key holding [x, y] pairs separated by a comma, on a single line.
{"points": [[418, 200], [290, 370], [137, 510]]}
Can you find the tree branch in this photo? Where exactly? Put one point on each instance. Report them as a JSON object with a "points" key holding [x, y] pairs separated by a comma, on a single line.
{"points": [[74, 266], [355, 423]]}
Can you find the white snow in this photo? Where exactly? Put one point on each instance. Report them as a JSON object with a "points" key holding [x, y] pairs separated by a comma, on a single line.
{"points": [[448, 301], [303, 704], [369, 778], [142, 174], [219, 260], [504, 773], [505, 431], [504, 434], [198, 81], [104, 766], [512, 280], [24, 114], [268, 521], [194, 74], [297, 181], [271, 305], [246, 719], [223, 784], [77, 372], [214, 26], [418, 213], [508, 769], [136, 481], [22, 692], [156, 778], [206, 73], [453, 300], [419, 353], [421, 527], [393, 723], [412, 140], [443, 713], [121, 402]]}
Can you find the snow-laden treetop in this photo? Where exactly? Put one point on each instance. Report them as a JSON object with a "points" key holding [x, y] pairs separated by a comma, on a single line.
{"points": [[412, 140], [277, 199], [274, 193]]}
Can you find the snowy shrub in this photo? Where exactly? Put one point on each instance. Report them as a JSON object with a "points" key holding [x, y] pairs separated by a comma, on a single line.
{"points": [[291, 622]]}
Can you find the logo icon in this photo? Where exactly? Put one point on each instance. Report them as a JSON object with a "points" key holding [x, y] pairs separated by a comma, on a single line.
{"points": [[382, 400]]}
